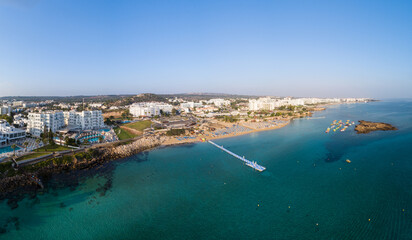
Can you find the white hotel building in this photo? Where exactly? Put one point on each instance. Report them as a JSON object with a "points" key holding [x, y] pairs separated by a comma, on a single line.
{"points": [[53, 121], [56, 120], [270, 104], [149, 109], [85, 120], [9, 133]]}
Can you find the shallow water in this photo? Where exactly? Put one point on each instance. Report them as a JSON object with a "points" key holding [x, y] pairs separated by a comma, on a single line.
{"points": [[197, 191]]}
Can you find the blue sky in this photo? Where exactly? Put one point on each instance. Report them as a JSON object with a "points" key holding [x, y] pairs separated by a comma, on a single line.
{"points": [[284, 48]]}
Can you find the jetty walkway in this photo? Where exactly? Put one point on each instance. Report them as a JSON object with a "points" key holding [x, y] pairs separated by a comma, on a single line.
{"points": [[251, 164]]}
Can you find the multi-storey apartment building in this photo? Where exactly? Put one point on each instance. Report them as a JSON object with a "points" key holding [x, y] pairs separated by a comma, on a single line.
{"points": [[53, 121], [84, 120], [5, 110], [149, 109], [9, 133], [219, 102]]}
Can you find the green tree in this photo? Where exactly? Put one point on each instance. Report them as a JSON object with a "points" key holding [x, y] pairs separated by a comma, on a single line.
{"points": [[37, 142], [45, 142], [101, 139], [8, 118], [25, 144], [61, 138], [14, 146]]}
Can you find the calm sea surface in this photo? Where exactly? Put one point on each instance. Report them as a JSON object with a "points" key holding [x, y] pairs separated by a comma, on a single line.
{"points": [[197, 191]]}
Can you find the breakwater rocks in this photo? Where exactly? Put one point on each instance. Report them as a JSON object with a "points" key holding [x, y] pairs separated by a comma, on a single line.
{"points": [[15, 184], [137, 146], [367, 127]]}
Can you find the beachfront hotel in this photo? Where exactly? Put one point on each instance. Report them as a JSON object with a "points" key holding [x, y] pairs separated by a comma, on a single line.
{"points": [[52, 120], [149, 109], [85, 120], [9, 134], [267, 103]]}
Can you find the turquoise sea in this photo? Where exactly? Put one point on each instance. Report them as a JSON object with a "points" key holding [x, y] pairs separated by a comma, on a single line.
{"points": [[197, 191]]}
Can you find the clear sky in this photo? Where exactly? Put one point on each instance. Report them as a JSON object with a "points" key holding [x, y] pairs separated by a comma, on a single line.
{"points": [[286, 48]]}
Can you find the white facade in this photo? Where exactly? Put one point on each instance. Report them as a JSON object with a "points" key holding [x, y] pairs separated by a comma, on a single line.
{"points": [[19, 120], [18, 103], [5, 110], [268, 103], [149, 109], [219, 102], [96, 105], [190, 105], [9, 133], [53, 121], [85, 120]]}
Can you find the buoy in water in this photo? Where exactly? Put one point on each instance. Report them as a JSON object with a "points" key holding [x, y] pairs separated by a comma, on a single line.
{"points": [[369, 219]]}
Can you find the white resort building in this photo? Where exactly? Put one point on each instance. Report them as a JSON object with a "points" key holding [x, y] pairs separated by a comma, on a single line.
{"points": [[9, 133], [5, 110], [149, 109], [219, 102], [85, 120], [53, 121]]}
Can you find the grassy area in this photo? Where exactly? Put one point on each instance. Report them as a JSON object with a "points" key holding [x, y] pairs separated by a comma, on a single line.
{"points": [[52, 148], [139, 126], [32, 155], [124, 134]]}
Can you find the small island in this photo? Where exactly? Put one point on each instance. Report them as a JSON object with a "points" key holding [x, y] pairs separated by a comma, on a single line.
{"points": [[367, 127]]}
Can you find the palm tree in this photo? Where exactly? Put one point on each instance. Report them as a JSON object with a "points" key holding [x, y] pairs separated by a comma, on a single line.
{"points": [[25, 144], [86, 141], [45, 141], [61, 138], [100, 139], [38, 142], [13, 146]]}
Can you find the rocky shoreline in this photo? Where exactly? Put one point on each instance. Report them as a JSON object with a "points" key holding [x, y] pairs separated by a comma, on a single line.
{"points": [[28, 179], [15, 184], [366, 127]]}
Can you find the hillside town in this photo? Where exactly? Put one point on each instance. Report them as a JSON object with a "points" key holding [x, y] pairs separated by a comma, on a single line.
{"points": [[30, 130]]}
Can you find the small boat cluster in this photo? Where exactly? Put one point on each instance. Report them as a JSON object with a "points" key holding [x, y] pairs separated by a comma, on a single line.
{"points": [[339, 126]]}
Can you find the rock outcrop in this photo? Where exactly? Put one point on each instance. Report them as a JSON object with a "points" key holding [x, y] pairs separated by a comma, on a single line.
{"points": [[367, 127]]}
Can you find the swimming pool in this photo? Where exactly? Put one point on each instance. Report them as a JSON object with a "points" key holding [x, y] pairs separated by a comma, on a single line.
{"points": [[94, 139], [7, 149]]}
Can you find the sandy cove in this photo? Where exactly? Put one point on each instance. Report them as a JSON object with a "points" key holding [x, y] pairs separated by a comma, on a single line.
{"points": [[208, 136]]}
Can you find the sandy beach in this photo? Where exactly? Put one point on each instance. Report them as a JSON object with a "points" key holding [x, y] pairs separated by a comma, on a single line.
{"points": [[209, 135]]}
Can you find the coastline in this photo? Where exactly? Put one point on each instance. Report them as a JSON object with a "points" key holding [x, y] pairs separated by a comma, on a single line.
{"points": [[26, 180], [173, 141]]}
